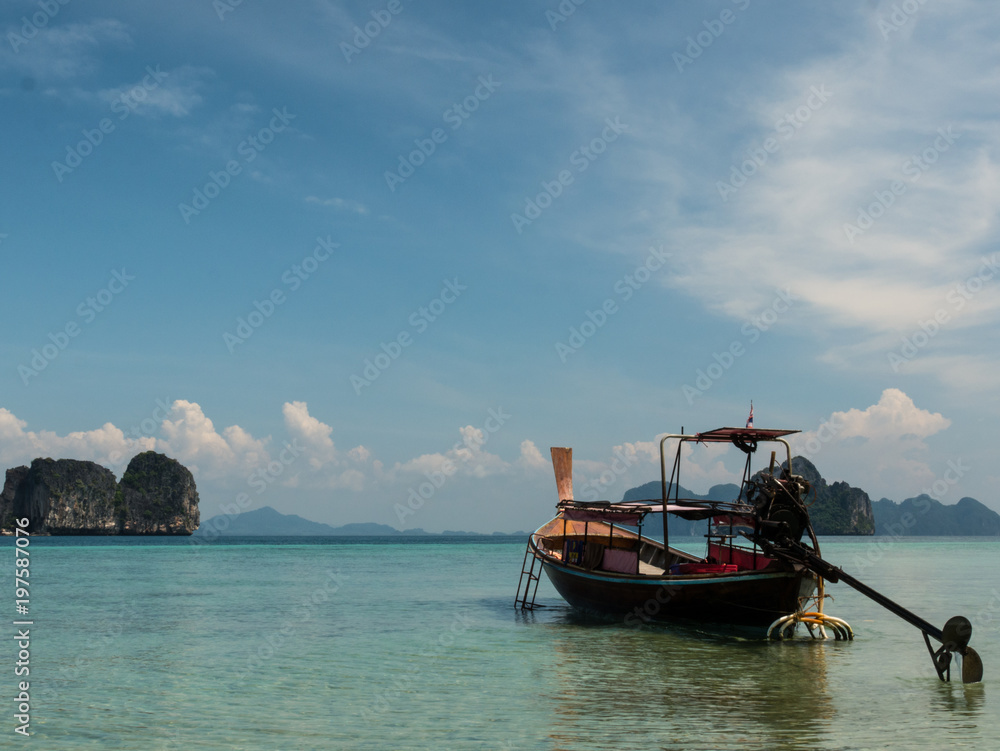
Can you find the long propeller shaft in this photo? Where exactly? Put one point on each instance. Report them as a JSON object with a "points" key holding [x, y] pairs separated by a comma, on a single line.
{"points": [[954, 637]]}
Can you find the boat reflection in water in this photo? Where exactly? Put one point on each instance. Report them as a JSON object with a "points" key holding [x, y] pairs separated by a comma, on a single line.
{"points": [[686, 687]]}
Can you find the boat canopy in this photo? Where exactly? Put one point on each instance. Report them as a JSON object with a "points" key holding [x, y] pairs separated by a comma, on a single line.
{"points": [[631, 512], [746, 440], [727, 435]]}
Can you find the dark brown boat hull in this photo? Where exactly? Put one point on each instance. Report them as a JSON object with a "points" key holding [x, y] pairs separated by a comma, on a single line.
{"points": [[753, 598]]}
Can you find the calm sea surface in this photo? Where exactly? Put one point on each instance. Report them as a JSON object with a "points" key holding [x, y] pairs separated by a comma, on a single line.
{"points": [[342, 643]]}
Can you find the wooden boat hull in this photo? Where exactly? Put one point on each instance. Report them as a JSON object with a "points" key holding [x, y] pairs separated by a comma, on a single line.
{"points": [[753, 598], [598, 564]]}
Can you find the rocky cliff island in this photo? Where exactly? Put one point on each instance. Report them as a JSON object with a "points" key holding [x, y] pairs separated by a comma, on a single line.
{"points": [[156, 496], [841, 509], [837, 508]]}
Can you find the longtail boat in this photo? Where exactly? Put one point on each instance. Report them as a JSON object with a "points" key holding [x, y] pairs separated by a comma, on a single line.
{"points": [[762, 564]]}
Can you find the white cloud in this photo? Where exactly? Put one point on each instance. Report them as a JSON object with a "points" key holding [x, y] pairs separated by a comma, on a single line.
{"points": [[106, 445], [531, 458], [191, 438], [359, 455], [227, 458], [329, 467], [895, 417], [311, 432], [883, 445], [465, 458], [881, 448], [224, 460], [637, 463]]}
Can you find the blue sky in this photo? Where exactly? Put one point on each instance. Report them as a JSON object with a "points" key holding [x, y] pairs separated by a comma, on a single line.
{"points": [[332, 254]]}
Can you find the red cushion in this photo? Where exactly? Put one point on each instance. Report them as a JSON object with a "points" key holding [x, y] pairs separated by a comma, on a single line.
{"points": [[702, 568]]}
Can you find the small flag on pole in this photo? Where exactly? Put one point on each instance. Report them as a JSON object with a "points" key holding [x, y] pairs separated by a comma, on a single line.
{"points": [[750, 418]]}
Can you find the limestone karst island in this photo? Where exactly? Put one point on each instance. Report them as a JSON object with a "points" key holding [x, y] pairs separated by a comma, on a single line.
{"points": [[156, 496]]}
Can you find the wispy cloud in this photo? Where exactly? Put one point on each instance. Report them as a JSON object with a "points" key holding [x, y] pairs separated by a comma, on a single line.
{"points": [[61, 52], [340, 204], [172, 92], [903, 150]]}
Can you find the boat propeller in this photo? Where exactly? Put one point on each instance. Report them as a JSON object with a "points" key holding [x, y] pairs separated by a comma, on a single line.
{"points": [[954, 637]]}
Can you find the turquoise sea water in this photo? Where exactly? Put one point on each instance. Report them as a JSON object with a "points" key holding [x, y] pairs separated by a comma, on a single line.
{"points": [[374, 644]]}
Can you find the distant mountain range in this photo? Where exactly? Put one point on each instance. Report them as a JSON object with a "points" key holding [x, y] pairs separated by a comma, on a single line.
{"points": [[925, 516], [268, 522], [679, 527], [837, 509], [840, 509]]}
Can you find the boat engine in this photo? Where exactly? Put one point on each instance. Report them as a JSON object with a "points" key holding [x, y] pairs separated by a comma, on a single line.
{"points": [[778, 505]]}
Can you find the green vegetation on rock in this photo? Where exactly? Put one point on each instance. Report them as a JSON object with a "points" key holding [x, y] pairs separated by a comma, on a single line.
{"points": [[840, 509], [157, 495]]}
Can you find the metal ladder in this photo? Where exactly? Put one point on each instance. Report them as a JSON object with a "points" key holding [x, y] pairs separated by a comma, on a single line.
{"points": [[528, 569]]}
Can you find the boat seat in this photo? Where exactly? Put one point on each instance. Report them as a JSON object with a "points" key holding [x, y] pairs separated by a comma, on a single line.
{"points": [[649, 569]]}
